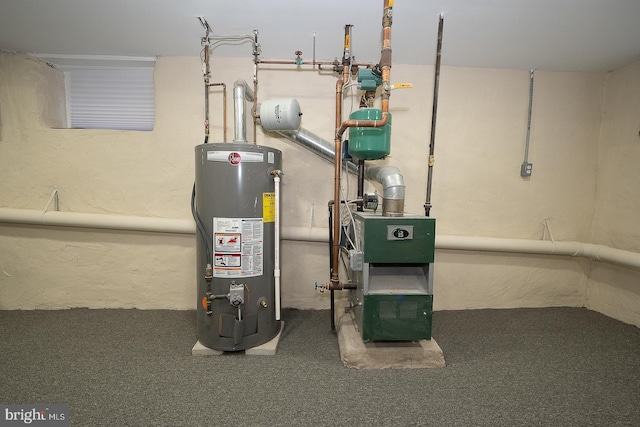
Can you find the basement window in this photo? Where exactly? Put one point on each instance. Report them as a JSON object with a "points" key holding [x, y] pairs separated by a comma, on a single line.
{"points": [[105, 92]]}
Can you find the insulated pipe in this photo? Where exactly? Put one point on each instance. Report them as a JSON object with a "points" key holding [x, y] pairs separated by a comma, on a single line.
{"points": [[305, 234], [392, 188], [241, 92], [623, 258], [601, 253], [97, 221], [132, 223]]}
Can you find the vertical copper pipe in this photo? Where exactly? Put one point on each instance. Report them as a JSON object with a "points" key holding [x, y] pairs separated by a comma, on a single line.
{"points": [[256, 59], [335, 251], [207, 73], [254, 113], [385, 65]]}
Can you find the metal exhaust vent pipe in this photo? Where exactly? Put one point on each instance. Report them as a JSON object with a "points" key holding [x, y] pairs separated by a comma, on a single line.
{"points": [[389, 177], [288, 112], [393, 188], [317, 145], [241, 92]]}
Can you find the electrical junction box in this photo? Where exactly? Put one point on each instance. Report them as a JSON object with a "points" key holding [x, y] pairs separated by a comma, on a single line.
{"points": [[526, 169], [393, 299], [356, 260]]}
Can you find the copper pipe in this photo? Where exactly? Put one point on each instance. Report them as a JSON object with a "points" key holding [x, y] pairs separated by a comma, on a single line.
{"points": [[385, 65], [292, 62], [207, 75], [254, 113], [224, 109], [365, 123], [312, 64], [335, 250], [335, 277]]}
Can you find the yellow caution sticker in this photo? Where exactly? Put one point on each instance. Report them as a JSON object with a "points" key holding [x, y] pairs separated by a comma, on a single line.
{"points": [[269, 207], [401, 85]]}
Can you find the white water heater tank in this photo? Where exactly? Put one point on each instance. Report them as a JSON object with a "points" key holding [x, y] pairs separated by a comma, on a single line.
{"points": [[280, 114]]}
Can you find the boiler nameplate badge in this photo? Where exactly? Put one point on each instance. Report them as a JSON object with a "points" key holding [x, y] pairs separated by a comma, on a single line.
{"points": [[399, 232]]}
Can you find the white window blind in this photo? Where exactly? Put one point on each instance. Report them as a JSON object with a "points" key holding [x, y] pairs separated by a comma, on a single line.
{"points": [[110, 97]]}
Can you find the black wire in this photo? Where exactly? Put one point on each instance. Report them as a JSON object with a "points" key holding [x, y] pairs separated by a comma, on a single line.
{"points": [[201, 230], [331, 266]]}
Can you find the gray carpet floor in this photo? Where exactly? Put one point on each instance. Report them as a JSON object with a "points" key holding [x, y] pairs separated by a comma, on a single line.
{"points": [[522, 367]]}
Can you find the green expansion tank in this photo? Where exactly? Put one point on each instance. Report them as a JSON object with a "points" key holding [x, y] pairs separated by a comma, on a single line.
{"points": [[369, 143]]}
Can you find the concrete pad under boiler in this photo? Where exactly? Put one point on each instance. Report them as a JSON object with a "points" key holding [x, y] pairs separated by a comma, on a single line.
{"points": [[267, 349], [358, 354]]}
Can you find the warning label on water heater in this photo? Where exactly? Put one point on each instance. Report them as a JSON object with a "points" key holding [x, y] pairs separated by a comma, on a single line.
{"points": [[269, 207], [238, 247]]}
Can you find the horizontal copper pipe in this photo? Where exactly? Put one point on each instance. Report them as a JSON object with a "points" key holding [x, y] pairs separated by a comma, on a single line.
{"points": [[312, 63], [363, 123], [293, 62]]}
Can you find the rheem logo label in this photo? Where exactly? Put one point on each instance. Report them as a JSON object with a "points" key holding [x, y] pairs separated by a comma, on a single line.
{"points": [[235, 158]]}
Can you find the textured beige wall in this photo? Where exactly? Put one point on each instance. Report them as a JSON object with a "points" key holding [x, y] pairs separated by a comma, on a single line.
{"points": [[615, 291], [477, 188], [96, 171]]}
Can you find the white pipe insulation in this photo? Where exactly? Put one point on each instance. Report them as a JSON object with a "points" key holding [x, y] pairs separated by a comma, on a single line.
{"points": [[601, 253], [98, 221], [595, 252]]}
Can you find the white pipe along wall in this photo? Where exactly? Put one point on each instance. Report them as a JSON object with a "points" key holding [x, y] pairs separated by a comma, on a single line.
{"points": [[601, 253]]}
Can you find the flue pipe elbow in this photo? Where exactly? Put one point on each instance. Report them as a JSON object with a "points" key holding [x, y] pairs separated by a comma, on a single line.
{"points": [[393, 188]]}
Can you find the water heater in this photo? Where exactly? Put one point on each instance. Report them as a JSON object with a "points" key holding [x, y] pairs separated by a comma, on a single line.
{"points": [[235, 205]]}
